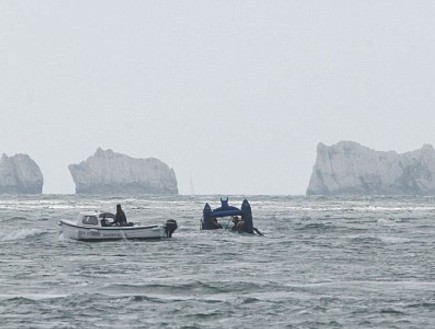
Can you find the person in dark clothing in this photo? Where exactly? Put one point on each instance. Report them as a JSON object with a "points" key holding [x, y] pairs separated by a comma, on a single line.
{"points": [[215, 223], [120, 218]]}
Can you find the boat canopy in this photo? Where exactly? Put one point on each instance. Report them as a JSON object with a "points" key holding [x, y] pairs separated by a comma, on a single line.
{"points": [[225, 210], [105, 215]]}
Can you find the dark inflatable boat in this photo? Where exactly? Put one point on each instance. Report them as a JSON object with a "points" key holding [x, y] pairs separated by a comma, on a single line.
{"points": [[241, 218]]}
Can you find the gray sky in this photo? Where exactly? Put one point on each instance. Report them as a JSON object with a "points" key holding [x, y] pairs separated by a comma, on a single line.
{"points": [[235, 94]]}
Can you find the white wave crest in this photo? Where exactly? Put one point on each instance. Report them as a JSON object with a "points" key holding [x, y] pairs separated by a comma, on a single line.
{"points": [[21, 234]]}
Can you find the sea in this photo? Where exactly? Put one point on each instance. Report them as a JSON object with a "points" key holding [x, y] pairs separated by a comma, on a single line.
{"points": [[323, 262]]}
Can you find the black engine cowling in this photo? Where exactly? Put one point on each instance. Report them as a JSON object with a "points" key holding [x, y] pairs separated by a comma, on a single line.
{"points": [[170, 226]]}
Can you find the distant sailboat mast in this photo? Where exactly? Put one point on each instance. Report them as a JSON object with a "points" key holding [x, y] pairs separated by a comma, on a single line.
{"points": [[192, 190]]}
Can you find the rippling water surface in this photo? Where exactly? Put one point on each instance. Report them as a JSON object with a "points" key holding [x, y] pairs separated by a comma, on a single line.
{"points": [[322, 263]]}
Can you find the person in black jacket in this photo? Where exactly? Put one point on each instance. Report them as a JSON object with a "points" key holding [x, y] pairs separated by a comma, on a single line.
{"points": [[120, 218]]}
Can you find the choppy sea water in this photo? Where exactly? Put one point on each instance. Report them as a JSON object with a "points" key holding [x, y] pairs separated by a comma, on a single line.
{"points": [[322, 263]]}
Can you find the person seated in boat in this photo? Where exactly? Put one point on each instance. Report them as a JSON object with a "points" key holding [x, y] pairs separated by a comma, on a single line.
{"points": [[215, 223], [120, 218], [104, 221], [239, 224], [235, 220]]}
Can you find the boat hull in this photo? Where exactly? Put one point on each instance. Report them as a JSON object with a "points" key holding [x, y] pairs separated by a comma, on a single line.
{"points": [[74, 232]]}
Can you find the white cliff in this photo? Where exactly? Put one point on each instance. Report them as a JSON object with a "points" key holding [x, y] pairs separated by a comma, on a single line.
{"points": [[348, 168], [110, 173], [19, 174]]}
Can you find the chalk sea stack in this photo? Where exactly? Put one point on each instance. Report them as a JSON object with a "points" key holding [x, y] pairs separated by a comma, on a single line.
{"points": [[19, 174], [111, 173], [348, 168]]}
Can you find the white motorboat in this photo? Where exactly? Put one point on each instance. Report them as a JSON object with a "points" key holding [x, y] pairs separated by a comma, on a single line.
{"points": [[96, 226]]}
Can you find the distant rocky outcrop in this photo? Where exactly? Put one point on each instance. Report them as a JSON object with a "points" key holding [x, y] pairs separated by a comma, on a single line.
{"points": [[349, 168], [19, 174], [110, 173]]}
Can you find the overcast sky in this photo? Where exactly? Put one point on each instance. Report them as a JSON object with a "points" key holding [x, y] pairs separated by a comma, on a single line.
{"points": [[234, 95]]}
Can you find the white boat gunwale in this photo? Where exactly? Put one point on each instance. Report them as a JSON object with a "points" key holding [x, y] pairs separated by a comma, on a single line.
{"points": [[109, 228]]}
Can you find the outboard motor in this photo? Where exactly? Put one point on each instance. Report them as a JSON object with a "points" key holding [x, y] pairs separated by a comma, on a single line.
{"points": [[170, 227]]}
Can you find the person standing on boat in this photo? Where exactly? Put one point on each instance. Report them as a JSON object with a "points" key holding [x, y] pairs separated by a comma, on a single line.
{"points": [[120, 218]]}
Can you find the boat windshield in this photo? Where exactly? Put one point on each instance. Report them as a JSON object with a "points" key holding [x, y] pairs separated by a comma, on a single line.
{"points": [[90, 220]]}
